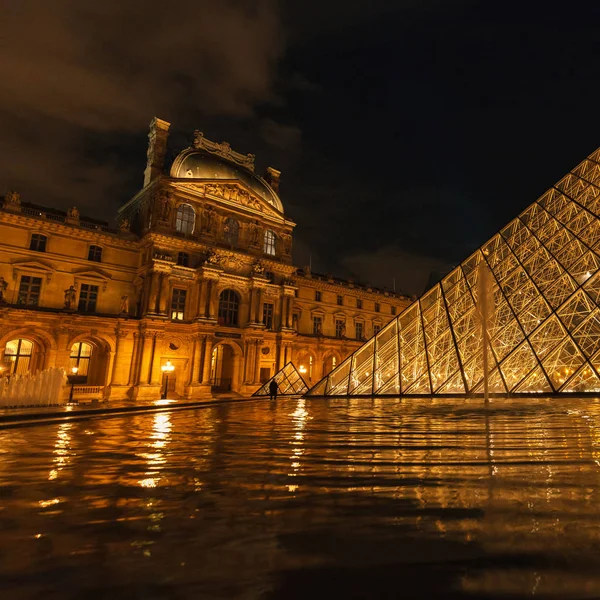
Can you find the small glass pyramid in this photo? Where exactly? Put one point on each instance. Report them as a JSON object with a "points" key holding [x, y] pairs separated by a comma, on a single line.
{"points": [[289, 383], [544, 330]]}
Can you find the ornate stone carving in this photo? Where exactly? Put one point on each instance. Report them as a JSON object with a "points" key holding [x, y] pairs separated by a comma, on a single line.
{"points": [[223, 149], [286, 242], [258, 268], [124, 225], [124, 305], [208, 218], [73, 213], [164, 205], [254, 233], [13, 198]]}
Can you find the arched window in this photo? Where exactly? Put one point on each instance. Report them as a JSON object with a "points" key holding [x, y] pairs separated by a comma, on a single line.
{"points": [[81, 354], [231, 231], [186, 219], [17, 355], [229, 303], [269, 243]]}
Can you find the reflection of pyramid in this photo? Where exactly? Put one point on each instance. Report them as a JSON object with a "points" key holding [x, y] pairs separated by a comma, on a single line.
{"points": [[289, 383], [545, 330]]}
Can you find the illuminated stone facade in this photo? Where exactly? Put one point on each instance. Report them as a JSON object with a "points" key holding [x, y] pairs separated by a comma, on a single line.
{"points": [[199, 273], [543, 321]]}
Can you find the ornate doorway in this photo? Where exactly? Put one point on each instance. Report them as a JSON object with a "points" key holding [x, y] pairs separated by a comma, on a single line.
{"points": [[221, 368]]}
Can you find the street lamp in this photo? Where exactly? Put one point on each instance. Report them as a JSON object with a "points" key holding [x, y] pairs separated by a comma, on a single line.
{"points": [[166, 369], [74, 372]]}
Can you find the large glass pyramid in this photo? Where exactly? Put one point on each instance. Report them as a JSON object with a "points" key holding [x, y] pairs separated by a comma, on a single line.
{"points": [[544, 329], [289, 383]]}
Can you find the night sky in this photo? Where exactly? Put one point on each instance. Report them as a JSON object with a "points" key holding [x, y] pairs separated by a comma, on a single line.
{"points": [[407, 131]]}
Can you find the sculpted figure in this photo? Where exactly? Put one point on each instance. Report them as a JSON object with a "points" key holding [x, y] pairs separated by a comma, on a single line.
{"points": [[287, 243], [3, 286], [12, 198], [209, 218], [70, 297], [254, 229], [124, 304], [257, 268], [124, 225], [212, 258], [164, 205], [73, 213]]}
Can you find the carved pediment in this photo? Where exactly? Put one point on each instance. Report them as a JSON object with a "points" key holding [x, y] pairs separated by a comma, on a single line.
{"points": [[37, 268], [94, 276]]}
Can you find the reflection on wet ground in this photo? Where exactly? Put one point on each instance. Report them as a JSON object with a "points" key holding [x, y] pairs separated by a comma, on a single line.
{"points": [[307, 498]]}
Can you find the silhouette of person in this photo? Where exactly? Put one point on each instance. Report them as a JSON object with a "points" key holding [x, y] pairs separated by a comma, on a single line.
{"points": [[273, 390]]}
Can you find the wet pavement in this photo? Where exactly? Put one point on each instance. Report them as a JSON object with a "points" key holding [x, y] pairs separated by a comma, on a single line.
{"points": [[307, 498]]}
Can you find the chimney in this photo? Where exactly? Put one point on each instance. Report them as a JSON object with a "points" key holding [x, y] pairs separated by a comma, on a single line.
{"points": [[272, 178], [157, 149]]}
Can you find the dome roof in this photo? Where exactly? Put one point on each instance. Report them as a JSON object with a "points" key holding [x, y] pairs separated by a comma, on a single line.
{"points": [[196, 164]]}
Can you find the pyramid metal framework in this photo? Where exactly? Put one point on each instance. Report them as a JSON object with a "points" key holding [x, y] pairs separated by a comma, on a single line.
{"points": [[289, 381], [545, 330]]}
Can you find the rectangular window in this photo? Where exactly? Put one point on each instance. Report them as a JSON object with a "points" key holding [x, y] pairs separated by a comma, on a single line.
{"points": [[393, 310], [318, 295], [270, 276], [88, 296], [95, 253], [268, 315], [317, 325], [376, 328], [340, 300], [359, 330], [183, 259], [178, 304], [29, 290], [358, 303], [340, 328], [38, 242], [377, 307]]}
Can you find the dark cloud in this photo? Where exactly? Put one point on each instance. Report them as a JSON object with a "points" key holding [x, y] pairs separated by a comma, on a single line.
{"points": [[71, 68], [279, 135]]}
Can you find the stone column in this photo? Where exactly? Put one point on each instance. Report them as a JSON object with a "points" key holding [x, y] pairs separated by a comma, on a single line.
{"points": [[207, 359], [252, 313], [121, 366], [135, 360], [156, 372], [193, 378], [288, 312], [213, 301], [200, 368], [153, 294], [200, 312], [257, 362], [147, 343], [164, 294], [259, 305]]}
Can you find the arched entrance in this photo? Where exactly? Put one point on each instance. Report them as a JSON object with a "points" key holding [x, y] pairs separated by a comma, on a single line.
{"points": [[91, 361], [222, 368], [330, 363], [306, 364]]}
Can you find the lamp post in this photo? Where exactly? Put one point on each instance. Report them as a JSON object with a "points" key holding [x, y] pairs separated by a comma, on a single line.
{"points": [[74, 372], [166, 369]]}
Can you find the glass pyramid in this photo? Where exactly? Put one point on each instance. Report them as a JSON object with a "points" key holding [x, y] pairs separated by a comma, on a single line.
{"points": [[289, 382], [544, 328]]}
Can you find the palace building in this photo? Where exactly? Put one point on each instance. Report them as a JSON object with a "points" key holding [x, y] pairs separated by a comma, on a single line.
{"points": [[199, 274]]}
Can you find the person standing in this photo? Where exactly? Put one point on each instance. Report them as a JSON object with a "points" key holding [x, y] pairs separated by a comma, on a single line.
{"points": [[273, 390]]}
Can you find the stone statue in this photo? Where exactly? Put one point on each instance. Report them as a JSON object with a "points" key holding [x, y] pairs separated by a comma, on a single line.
{"points": [[73, 213], [286, 239], [258, 268], [12, 198], [3, 286], [124, 305], [295, 321], [164, 205], [209, 218], [124, 225], [212, 258], [254, 229], [70, 297]]}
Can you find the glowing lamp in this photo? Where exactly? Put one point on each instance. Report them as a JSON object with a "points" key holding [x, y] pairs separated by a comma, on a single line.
{"points": [[166, 369]]}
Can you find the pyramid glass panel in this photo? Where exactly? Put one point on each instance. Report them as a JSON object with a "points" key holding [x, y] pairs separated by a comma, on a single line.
{"points": [[543, 318], [289, 383]]}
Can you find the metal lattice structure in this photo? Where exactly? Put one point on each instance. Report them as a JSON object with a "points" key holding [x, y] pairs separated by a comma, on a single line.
{"points": [[544, 329], [289, 383]]}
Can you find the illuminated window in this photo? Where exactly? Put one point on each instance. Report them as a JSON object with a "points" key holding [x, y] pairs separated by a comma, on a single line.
{"points": [[38, 242], [317, 325], [229, 304], [269, 243], [359, 330], [358, 303], [95, 253], [88, 296], [178, 304], [231, 231], [377, 307], [340, 328], [318, 296], [29, 290], [81, 353], [340, 300], [183, 259], [268, 315], [186, 219], [18, 355]]}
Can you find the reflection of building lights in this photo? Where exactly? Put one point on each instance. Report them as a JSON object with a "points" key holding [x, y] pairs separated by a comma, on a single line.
{"points": [[302, 369]]}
